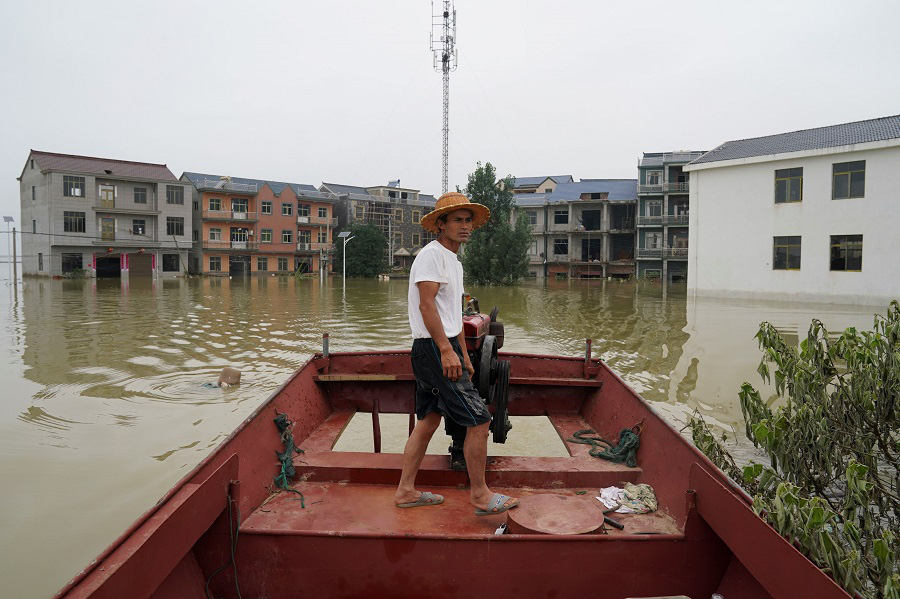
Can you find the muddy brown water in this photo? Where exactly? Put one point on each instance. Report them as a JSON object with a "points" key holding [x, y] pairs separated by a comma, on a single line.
{"points": [[104, 405]]}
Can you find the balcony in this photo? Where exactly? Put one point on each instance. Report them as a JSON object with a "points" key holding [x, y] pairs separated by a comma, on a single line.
{"points": [[226, 185], [669, 253], [667, 219], [316, 220], [230, 215], [315, 247], [230, 245], [661, 188]]}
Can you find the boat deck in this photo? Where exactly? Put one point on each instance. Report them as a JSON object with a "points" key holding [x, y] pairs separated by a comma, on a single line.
{"points": [[351, 493], [352, 509]]}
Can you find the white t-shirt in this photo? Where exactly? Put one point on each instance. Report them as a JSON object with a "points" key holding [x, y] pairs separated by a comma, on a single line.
{"points": [[437, 264]]}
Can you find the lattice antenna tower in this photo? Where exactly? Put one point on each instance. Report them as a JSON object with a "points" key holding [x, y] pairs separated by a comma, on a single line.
{"points": [[443, 47]]}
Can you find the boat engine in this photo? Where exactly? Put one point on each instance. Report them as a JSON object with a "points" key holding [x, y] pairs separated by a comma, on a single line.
{"points": [[484, 337]]}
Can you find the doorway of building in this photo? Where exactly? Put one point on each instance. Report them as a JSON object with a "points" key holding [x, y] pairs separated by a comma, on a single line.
{"points": [[239, 266], [109, 267]]}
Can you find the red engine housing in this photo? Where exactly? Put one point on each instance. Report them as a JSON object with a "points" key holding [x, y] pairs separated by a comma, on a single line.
{"points": [[475, 328]]}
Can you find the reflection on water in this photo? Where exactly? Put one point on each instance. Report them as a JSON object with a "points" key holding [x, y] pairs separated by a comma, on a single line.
{"points": [[105, 405]]}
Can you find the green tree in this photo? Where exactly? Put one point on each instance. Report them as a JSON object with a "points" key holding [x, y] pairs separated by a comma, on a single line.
{"points": [[366, 252], [832, 486], [497, 253]]}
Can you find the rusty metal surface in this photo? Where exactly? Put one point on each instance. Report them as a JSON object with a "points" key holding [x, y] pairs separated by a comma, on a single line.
{"points": [[556, 514]]}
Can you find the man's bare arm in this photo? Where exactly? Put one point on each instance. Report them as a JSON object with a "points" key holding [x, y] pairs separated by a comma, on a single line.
{"points": [[428, 290]]}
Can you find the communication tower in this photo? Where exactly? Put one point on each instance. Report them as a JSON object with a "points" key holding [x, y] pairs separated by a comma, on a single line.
{"points": [[443, 47]]}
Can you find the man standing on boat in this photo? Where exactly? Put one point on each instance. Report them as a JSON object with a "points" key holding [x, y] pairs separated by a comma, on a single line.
{"points": [[440, 363]]}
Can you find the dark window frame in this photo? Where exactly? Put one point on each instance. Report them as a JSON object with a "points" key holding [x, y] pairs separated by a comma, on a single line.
{"points": [[789, 185], [140, 195], [560, 217], [72, 261], [74, 222], [287, 209], [265, 207], [175, 226], [287, 236], [848, 180], [72, 182], [175, 195], [172, 259], [282, 264], [559, 243], [791, 252], [138, 226], [323, 212], [215, 264], [842, 248], [218, 201], [263, 233], [262, 264]]}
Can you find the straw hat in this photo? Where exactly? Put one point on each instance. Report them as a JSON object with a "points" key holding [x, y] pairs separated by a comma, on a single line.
{"points": [[455, 201]]}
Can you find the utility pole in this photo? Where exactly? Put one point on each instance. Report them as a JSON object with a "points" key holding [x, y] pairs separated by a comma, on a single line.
{"points": [[443, 47], [15, 266]]}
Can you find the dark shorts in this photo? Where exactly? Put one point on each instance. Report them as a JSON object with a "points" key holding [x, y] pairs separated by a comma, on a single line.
{"points": [[457, 400]]}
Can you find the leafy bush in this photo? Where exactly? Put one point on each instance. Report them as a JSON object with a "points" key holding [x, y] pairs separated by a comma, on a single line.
{"points": [[834, 448]]}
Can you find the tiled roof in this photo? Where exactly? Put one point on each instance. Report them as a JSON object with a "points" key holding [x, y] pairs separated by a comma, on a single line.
{"points": [[427, 199], [618, 189], [808, 139], [341, 189], [277, 186], [49, 161]]}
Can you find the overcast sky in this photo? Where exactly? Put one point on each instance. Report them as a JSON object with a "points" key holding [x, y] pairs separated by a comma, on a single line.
{"points": [[345, 91]]}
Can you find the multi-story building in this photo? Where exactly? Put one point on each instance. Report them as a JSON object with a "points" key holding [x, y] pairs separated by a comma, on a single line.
{"points": [[254, 226], [806, 215], [102, 217], [582, 229], [662, 215], [395, 210]]}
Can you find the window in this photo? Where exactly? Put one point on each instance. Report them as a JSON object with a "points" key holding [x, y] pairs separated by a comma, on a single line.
{"points": [[561, 246], [287, 210], [849, 180], [323, 212], [360, 212], [73, 187], [392, 194], [846, 252], [33, 226], [139, 226], [786, 253], [240, 234], [287, 236], [561, 217], [265, 235], [175, 225], [416, 216], [282, 264], [262, 264], [398, 214], [140, 195], [215, 234], [532, 249], [215, 264], [788, 185], [654, 178], [654, 208], [32, 164], [195, 235], [323, 237], [653, 241], [33, 193], [72, 262], [215, 204], [416, 240], [174, 194], [265, 207], [40, 261], [404, 195], [170, 263], [304, 236], [73, 222], [303, 210], [195, 205], [532, 217], [239, 205]]}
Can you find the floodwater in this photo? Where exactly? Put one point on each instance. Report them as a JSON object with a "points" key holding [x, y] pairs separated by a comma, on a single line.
{"points": [[104, 406]]}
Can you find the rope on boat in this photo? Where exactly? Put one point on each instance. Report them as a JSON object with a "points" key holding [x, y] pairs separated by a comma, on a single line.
{"points": [[625, 451], [233, 530], [286, 457]]}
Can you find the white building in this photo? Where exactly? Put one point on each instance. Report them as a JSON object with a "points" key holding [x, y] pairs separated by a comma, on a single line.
{"points": [[810, 215]]}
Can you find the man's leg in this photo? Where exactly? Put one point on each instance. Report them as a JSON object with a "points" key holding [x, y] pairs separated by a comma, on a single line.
{"points": [[413, 453], [475, 449]]}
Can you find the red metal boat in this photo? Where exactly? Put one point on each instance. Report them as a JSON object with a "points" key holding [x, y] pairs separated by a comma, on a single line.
{"points": [[222, 532]]}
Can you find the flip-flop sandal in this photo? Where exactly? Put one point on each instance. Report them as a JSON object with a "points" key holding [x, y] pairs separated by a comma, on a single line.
{"points": [[495, 506], [426, 498]]}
